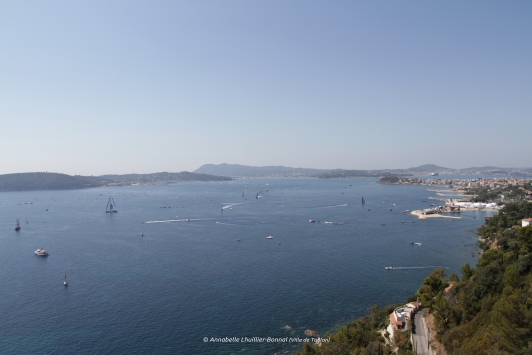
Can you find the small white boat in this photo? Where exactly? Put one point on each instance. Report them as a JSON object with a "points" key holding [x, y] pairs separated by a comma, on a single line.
{"points": [[269, 236], [41, 252], [388, 267], [65, 282]]}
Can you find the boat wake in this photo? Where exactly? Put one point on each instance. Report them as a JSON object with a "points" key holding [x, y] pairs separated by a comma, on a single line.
{"points": [[229, 205], [178, 220], [418, 267], [344, 205]]}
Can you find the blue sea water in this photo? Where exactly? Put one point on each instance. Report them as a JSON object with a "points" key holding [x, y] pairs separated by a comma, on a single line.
{"points": [[164, 292]]}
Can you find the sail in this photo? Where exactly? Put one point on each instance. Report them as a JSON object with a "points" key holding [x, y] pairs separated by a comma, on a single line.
{"points": [[111, 205]]}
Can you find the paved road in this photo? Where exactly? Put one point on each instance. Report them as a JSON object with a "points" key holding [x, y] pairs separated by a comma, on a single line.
{"points": [[420, 337]]}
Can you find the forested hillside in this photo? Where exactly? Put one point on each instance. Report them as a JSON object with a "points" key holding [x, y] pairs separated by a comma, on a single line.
{"points": [[489, 310], [47, 181]]}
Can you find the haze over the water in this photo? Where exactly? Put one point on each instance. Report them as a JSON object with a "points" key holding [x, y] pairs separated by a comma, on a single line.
{"points": [[118, 87]]}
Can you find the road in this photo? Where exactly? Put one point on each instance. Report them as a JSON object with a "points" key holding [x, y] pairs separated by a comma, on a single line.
{"points": [[420, 337]]}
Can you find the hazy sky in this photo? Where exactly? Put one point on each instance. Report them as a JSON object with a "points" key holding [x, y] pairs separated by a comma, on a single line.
{"points": [[94, 87]]}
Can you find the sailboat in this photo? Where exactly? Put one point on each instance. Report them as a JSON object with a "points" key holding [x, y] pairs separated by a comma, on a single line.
{"points": [[110, 206], [17, 228], [65, 282], [269, 236], [363, 201]]}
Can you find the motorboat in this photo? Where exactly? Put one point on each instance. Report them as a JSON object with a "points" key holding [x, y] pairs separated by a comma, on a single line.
{"points": [[388, 267], [311, 221], [41, 252]]}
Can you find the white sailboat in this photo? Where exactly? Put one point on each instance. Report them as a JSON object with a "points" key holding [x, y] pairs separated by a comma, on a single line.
{"points": [[269, 235]]}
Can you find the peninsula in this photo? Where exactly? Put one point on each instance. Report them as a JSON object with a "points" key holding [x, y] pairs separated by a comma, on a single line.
{"points": [[56, 181]]}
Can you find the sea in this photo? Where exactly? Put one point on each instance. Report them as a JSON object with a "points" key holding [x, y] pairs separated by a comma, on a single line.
{"points": [[187, 268]]}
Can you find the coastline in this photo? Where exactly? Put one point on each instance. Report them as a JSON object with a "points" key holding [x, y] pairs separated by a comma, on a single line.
{"points": [[420, 215]]}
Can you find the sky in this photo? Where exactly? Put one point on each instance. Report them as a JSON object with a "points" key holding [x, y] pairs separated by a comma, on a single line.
{"points": [[98, 87]]}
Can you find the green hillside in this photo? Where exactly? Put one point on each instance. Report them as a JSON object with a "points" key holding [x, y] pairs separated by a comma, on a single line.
{"points": [[47, 181]]}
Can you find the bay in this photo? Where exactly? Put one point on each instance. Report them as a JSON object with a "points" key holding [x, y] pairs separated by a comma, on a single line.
{"points": [[188, 278]]}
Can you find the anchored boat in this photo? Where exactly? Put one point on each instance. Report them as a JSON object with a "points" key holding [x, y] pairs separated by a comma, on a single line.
{"points": [[41, 252]]}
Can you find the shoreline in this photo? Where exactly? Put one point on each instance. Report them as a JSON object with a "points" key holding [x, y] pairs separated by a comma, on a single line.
{"points": [[419, 214]]}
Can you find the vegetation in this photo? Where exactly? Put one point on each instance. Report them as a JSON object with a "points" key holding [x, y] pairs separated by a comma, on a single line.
{"points": [[488, 311], [47, 181], [55, 181], [389, 180], [361, 337], [511, 193]]}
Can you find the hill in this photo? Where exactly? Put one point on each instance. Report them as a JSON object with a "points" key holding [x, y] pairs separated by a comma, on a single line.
{"points": [[245, 170], [56, 181], [428, 168], [47, 181]]}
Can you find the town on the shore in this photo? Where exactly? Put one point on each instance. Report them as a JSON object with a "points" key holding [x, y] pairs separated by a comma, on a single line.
{"points": [[468, 194]]}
